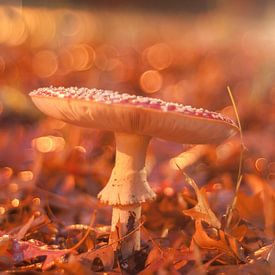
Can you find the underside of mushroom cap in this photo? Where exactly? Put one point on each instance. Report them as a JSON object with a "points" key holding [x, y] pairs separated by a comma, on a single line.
{"points": [[133, 114]]}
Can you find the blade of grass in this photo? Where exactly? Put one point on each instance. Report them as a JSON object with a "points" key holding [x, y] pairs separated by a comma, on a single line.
{"points": [[243, 148]]}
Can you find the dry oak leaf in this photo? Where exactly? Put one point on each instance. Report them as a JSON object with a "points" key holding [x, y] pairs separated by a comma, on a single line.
{"points": [[250, 208], [260, 267], [223, 242], [26, 250], [266, 253], [105, 254], [170, 257], [202, 210], [266, 193], [13, 252], [237, 227]]}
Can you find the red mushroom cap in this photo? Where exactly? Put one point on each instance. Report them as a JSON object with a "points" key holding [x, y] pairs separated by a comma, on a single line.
{"points": [[121, 112]]}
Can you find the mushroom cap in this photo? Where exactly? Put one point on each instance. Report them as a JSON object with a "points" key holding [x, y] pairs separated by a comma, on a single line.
{"points": [[127, 113]]}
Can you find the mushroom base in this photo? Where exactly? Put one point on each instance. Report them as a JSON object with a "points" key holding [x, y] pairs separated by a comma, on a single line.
{"points": [[125, 221]]}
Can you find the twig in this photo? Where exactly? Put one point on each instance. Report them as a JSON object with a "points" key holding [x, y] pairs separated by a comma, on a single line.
{"points": [[206, 265], [53, 217], [124, 237], [87, 232]]}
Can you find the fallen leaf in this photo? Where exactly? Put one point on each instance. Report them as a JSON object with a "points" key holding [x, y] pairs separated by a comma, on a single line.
{"points": [[222, 242], [256, 268], [267, 253], [237, 227], [202, 210], [26, 250], [251, 208], [105, 254], [167, 257]]}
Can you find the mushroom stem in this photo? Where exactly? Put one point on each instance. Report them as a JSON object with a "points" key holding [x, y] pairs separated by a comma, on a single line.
{"points": [[127, 188], [125, 219]]}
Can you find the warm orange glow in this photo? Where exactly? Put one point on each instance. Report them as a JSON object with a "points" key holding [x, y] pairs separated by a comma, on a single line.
{"points": [[18, 30], [271, 167], [168, 191], [13, 99], [261, 164], [217, 186], [6, 26], [71, 23], [56, 124], [2, 210], [151, 81], [59, 143], [81, 149], [13, 187], [44, 144], [26, 175], [44, 63], [159, 56], [1, 107], [106, 58], [2, 64], [36, 201], [15, 202], [48, 144], [6, 172], [224, 151], [82, 57], [65, 61], [41, 25]]}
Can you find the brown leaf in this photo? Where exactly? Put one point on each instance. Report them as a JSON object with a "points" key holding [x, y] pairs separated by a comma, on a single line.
{"points": [[237, 227], [267, 253], [251, 208], [74, 267], [222, 242], [176, 258], [26, 250], [14, 252], [105, 254], [202, 210], [266, 194], [158, 265], [259, 267]]}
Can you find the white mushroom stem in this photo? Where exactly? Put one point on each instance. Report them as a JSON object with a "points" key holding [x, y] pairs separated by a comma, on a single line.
{"points": [[125, 219], [128, 188]]}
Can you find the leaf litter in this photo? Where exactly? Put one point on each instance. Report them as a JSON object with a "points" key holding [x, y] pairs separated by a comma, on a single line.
{"points": [[46, 226]]}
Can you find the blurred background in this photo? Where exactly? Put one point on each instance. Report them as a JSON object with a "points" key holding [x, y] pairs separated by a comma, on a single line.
{"points": [[181, 51]]}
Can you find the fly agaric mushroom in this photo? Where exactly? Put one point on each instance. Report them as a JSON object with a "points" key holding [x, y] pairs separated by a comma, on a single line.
{"points": [[134, 120]]}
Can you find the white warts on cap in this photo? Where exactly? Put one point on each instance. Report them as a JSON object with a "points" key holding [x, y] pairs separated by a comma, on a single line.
{"points": [[112, 97]]}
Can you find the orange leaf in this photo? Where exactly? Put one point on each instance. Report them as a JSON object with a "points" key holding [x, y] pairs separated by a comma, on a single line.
{"points": [[104, 253], [202, 210], [223, 242]]}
